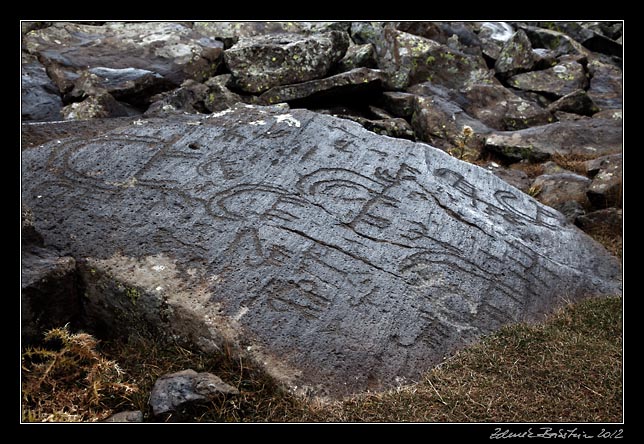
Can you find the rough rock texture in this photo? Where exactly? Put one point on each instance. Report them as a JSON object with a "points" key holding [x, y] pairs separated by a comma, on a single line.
{"points": [[593, 35], [231, 32], [606, 188], [48, 297], [338, 259], [493, 36], [557, 189], [400, 104], [585, 137], [395, 127], [97, 107], [173, 390], [563, 78], [219, 96], [40, 99], [189, 98], [129, 416], [516, 55], [33, 134], [358, 56], [498, 108], [605, 85], [441, 123], [259, 63], [577, 102], [556, 41], [170, 49], [130, 85], [608, 220], [517, 178], [357, 81], [408, 59], [28, 233]]}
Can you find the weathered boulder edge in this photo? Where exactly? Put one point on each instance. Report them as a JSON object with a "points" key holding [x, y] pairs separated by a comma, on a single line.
{"points": [[337, 259]]}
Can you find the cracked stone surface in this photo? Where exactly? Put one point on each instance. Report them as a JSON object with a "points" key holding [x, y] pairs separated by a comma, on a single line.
{"points": [[337, 259]]}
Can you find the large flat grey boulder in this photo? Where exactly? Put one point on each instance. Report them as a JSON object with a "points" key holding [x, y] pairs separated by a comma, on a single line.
{"points": [[337, 259]]}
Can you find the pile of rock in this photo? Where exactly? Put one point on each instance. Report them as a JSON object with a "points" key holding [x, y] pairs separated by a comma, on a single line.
{"points": [[529, 90], [211, 209]]}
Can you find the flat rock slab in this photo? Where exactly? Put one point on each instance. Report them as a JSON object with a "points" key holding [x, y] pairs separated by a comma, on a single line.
{"points": [[356, 81], [170, 49], [337, 259], [588, 137], [560, 80]]}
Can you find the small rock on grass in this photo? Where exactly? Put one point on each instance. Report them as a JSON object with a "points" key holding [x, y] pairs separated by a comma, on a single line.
{"points": [[173, 390], [128, 416]]}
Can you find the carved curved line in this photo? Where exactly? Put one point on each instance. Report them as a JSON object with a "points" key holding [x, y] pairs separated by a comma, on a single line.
{"points": [[308, 182], [70, 172], [216, 205], [502, 195]]}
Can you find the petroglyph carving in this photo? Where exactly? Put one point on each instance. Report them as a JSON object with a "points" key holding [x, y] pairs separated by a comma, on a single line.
{"points": [[353, 257]]}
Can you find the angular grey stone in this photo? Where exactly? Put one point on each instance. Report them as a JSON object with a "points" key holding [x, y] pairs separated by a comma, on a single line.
{"points": [[516, 55], [131, 85], [358, 56], [499, 108], [356, 81], [595, 137], [39, 97], [97, 107], [613, 114], [428, 30], [563, 78], [594, 166], [441, 122], [400, 104], [190, 98], [170, 49], [173, 390], [219, 96], [606, 85], [336, 259], [572, 210], [129, 416], [260, 63], [607, 220], [409, 59], [557, 189], [392, 127], [556, 41], [517, 178], [606, 188], [577, 102], [231, 32], [493, 36]]}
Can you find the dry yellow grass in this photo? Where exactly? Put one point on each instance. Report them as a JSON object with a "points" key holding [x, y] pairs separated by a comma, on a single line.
{"points": [[566, 369]]}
